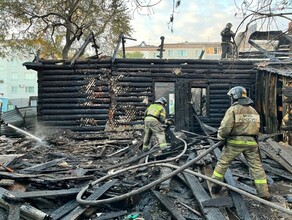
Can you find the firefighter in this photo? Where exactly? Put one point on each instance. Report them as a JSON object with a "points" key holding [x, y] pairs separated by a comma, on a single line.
{"points": [[226, 43], [240, 128], [155, 118]]}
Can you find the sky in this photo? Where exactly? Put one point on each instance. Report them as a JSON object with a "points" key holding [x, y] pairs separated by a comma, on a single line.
{"points": [[194, 21]]}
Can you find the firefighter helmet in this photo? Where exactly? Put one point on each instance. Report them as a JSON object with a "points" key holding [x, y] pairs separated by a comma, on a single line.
{"points": [[162, 101], [237, 92]]}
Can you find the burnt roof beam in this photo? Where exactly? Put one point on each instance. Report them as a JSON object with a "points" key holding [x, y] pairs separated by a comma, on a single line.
{"points": [[267, 54]]}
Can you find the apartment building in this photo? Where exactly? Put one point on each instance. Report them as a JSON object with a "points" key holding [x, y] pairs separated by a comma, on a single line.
{"points": [[185, 50], [17, 83]]}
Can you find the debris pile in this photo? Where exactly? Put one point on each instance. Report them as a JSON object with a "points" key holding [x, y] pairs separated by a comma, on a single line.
{"points": [[105, 175]]}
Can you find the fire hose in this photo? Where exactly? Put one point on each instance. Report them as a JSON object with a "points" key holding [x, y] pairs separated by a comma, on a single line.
{"points": [[144, 188]]}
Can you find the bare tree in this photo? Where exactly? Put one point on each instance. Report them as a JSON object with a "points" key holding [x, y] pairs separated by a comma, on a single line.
{"points": [[267, 13], [56, 26], [140, 5]]}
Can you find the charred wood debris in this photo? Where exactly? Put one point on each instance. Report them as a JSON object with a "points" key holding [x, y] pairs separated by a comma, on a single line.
{"points": [[105, 175]]}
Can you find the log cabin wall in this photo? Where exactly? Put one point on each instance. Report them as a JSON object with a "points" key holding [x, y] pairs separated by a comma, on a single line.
{"points": [[95, 95]]}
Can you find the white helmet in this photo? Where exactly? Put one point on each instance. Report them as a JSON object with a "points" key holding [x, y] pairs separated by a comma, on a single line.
{"points": [[237, 92], [162, 101]]}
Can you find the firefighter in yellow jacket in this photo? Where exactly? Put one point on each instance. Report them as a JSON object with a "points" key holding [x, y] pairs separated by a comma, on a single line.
{"points": [[240, 128], [155, 116]]}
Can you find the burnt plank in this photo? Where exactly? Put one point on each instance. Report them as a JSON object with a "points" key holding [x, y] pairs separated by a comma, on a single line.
{"points": [[280, 151], [64, 209], [168, 205], [272, 153], [276, 171], [201, 196], [41, 166], [40, 194], [69, 178], [246, 188], [95, 195], [223, 201]]}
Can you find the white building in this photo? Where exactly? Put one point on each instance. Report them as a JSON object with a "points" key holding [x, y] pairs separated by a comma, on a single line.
{"points": [[17, 83]]}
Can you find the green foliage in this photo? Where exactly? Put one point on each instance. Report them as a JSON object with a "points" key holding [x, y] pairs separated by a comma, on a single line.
{"points": [[135, 55], [59, 27], [131, 55]]}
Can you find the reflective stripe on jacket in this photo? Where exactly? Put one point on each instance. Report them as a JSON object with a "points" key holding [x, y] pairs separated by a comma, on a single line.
{"points": [[155, 111], [240, 125]]}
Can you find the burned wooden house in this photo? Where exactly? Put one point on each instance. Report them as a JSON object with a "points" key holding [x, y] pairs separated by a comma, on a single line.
{"points": [[94, 95], [100, 94], [111, 95]]}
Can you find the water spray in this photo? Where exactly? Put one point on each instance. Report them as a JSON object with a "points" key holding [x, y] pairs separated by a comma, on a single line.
{"points": [[21, 131]]}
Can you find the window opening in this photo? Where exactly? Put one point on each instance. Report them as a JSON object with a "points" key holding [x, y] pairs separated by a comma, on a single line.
{"points": [[166, 90], [199, 100]]}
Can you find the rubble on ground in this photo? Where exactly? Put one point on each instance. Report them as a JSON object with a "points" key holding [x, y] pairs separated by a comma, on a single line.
{"points": [[43, 180]]}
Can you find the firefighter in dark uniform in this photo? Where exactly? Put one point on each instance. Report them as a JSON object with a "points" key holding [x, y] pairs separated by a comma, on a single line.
{"points": [[240, 128], [226, 43], [155, 117]]}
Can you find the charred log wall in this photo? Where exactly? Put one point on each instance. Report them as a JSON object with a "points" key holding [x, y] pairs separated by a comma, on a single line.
{"points": [[94, 95]]}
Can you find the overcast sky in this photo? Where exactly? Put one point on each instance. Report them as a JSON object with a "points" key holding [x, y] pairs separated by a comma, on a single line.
{"points": [[194, 21]]}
